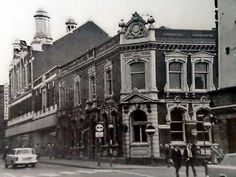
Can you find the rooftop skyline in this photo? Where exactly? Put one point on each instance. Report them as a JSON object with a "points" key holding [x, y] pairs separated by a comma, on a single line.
{"points": [[18, 21]]}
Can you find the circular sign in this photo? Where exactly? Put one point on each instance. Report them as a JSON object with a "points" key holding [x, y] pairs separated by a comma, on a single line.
{"points": [[99, 127], [194, 132], [150, 130]]}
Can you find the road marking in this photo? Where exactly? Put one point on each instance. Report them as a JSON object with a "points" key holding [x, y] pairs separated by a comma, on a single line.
{"points": [[103, 171], [67, 173], [89, 172], [131, 173], [49, 174]]}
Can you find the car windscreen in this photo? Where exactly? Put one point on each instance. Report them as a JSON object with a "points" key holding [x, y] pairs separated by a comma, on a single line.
{"points": [[25, 151]]}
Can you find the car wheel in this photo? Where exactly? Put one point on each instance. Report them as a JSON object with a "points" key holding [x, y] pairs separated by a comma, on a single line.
{"points": [[13, 165]]}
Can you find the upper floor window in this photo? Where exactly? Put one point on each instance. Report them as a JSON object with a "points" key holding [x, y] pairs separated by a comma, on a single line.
{"points": [[201, 75], [92, 87], [108, 79], [77, 92], [176, 71], [138, 75], [92, 82], [108, 82], [175, 75], [202, 71]]}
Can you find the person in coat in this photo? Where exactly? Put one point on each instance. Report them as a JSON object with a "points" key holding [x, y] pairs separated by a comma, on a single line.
{"points": [[176, 157], [190, 158]]}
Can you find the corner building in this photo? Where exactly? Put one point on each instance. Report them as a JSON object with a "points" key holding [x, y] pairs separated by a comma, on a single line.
{"points": [[143, 75]]}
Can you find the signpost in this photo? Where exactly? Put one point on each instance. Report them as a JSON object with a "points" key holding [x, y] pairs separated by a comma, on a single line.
{"points": [[99, 134], [150, 130]]}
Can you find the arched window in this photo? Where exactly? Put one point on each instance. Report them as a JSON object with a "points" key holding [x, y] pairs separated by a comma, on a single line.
{"points": [[138, 75], [177, 125], [201, 75], [108, 82], [201, 126], [139, 123], [175, 75], [77, 92], [92, 88]]}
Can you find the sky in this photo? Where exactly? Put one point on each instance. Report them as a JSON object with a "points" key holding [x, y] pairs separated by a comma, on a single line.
{"points": [[17, 21]]}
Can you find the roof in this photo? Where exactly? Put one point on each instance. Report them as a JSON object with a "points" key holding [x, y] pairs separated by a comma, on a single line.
{"points": [[185, 36], [69, 47]]}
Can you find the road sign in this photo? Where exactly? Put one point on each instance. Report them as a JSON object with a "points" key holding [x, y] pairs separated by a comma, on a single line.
{"points": [[150, 130], [99, 134], [99, 127]]}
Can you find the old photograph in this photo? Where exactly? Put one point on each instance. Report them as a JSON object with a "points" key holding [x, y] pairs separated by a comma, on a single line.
{"points": [[118, 88]]}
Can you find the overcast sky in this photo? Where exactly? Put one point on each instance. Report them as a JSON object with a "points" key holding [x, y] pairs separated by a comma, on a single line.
{"points": [[17, 21]]}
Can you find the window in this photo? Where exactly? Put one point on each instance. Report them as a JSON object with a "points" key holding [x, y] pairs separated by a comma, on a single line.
{"points": [[92, 87], [202, 134], [108, 82], [201, 75], [139, 123], [175, 75], [77, 94], [177, 125], [138, 75]]}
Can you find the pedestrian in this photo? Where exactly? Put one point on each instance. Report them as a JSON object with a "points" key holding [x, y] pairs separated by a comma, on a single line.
{"points": [[49, 151], [168, 155], [37, 150], [176, 156], [190, 158], [6, 151]]}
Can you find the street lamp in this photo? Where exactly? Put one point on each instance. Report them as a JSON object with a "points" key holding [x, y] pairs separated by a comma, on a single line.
{"points": [[110, 126]]}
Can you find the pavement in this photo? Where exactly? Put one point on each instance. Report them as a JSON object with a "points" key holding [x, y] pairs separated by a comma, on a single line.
{"points": [[92, 164]]}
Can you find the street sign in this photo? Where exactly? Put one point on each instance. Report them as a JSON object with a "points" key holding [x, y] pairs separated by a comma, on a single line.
{"points": [[99, 134], [150, 130], [99, 127]]}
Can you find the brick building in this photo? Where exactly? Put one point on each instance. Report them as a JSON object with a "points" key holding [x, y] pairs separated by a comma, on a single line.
{"points": [[143, 75]]}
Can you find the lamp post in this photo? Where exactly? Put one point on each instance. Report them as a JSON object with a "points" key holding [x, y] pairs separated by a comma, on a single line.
{"points": [[110, 126]]}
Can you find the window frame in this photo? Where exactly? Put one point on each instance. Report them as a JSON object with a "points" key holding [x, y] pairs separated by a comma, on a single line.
{"points": [[203, 57], [77, 91], [108, 82], [180, 57], [139, 72], [178, 121]]}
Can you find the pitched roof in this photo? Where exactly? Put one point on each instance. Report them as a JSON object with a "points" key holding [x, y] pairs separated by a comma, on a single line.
{"points": [[69, 47]]}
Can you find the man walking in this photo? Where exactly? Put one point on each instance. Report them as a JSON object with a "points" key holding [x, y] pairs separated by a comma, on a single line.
{"points": [[176, 156], [190, 156]]}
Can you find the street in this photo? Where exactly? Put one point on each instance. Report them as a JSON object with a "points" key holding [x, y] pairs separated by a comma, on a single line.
{"points": [[45, 170]]}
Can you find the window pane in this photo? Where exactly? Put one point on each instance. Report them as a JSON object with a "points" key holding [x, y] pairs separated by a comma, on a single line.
{"points": [[136, 132], [176, 136], [201, 67], [176, 115], [176, 126], [138, 80], [175, 67], [144, 135], [175, 80], [201, 81], [137, 67]]}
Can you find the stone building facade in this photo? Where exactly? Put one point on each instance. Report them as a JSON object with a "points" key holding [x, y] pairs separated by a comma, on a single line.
{"points": [[141, 76]]}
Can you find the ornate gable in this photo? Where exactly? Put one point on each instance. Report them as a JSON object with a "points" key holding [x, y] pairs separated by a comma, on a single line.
{"points": [[136, 97]]}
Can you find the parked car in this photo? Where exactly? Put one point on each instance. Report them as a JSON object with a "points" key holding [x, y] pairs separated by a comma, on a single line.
{"points": [[21, 156], [226, 168]]}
